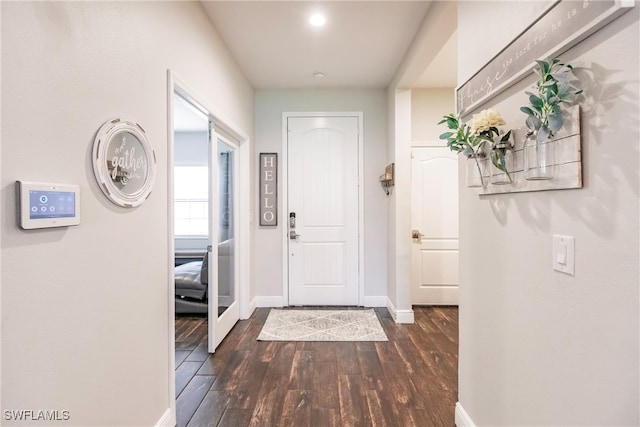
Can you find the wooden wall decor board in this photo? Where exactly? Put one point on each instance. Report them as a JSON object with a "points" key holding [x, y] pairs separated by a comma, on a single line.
{"points": [[568, 160], [561, 26]]}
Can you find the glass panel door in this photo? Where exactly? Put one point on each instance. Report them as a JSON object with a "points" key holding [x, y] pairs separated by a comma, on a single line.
{"points": [[224, 309], [226, 227]]}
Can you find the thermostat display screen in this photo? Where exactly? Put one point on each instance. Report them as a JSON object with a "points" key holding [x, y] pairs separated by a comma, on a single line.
{"points": [[46, 205], [51, 204]]}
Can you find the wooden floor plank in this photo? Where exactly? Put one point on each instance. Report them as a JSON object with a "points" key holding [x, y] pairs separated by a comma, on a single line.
{"points": [[184, 374], [324, 352], [347, 357], [210, 410], [387, 352], [301, 374], [325, 385], [371, 370], [382, 313], [191, 398], [410, 380], [189, 333], [382, 410], [420, 418], [180, 356], [323, 417], [365, 346], [296, 410], [199, 354], [249, 340], [268, 409], [236, 418], [354, 410], [266, 350], [393, 330], [231, 374], [400, 385], [247, 391], [260, 315]]}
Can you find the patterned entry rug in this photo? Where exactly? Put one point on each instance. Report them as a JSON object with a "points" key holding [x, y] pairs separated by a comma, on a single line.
{"points": [[322, 325]]}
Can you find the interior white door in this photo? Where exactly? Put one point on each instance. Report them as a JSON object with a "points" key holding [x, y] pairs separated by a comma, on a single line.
{"points": [[434, 218], [323, 195]]}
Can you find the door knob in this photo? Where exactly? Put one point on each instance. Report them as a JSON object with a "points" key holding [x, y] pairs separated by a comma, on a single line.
{"points": [[415, 234], [293, 235]]}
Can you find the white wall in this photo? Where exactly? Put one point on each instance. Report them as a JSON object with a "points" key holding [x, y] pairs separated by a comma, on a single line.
{"points": [[427, 108], [268, 127], [538, 347], [436, 29], [85, 309], [399, 205], [391, 201]]}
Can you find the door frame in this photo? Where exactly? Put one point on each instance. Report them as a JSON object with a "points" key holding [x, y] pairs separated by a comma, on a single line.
{"points": [[285, 200], [221, 124]]}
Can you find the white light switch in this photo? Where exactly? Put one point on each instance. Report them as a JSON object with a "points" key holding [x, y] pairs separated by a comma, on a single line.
{"points": [[564, 254]]}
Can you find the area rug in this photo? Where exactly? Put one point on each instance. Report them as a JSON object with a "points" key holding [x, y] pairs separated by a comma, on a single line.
{"points": [[322, 325]]}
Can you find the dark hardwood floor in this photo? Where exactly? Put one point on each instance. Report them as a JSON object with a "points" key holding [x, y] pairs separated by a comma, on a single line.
{"points": [[411, 380]]}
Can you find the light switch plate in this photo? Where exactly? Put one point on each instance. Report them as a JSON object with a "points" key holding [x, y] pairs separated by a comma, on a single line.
{"points": [[564, 249]]}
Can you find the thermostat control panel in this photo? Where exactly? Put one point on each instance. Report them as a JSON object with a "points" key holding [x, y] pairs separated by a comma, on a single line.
{"points": [[45, 205]]}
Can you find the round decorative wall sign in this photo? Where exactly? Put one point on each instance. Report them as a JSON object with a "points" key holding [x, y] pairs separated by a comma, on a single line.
{"points": [[124, 162]]}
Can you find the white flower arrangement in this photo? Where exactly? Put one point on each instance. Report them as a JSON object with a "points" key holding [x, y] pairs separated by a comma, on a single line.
{"points": [[486, 123]]}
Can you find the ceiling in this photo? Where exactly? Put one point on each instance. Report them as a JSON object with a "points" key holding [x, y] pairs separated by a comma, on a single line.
{"points": [[361, 45]]}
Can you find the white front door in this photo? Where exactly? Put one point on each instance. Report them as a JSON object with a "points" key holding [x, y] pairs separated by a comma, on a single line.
{"points": [[322, 177], [434, 219]]}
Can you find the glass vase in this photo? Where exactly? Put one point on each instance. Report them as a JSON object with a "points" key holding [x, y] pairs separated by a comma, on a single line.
{"points": [[539, 158], [502, 164], [475, 168]]}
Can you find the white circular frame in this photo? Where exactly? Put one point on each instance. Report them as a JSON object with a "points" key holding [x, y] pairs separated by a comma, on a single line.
{"points": [[105, 137]]}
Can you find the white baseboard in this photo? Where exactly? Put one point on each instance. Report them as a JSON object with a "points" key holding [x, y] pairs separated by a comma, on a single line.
{"points": [[462, 419], [400, 316], [168, 419], [374, 301], [269, 302], [252, 307], [404, 316], [244, 315]]}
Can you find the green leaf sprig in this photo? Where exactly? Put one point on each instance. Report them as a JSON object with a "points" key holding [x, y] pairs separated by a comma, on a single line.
{"points": [[556, 85], [499, 152], [461, 139]]}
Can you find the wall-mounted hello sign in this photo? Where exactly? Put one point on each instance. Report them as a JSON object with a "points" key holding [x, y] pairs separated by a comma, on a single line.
{"points": [[124, 162], [268, 189]]}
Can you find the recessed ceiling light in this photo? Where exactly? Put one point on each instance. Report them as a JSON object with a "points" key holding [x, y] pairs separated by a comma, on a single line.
{"points": [[317, 20], [319, 74]]}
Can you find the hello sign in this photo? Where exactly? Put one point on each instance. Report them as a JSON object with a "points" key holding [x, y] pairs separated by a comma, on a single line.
{"points": [[268, 189]]}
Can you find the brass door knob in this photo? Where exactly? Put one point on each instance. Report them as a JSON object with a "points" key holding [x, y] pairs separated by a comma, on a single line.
{"points": [[415, 234]]}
